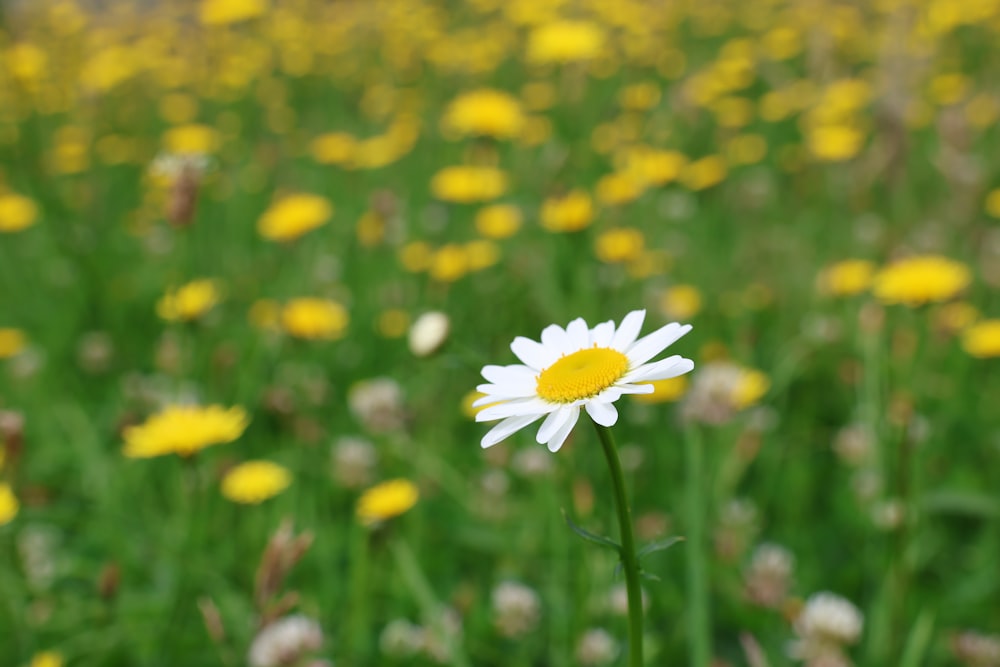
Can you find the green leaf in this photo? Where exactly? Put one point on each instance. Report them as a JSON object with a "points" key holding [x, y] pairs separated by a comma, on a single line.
{"points": [[590, 537], [659, 545], [977, 505], [919, 640]]}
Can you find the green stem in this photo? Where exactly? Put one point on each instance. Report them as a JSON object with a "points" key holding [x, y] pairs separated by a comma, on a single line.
{"points": [[360, 594], [697, 559], [630, 561]]}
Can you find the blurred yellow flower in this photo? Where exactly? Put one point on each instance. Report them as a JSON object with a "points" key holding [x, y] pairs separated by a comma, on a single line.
{"points": [[293, 215], [334, 148], [177, 108], [253, 482], [538, 95], [618, 188], [847, 277], [536, 131], [484, 112], [8, 504], [622, 244], [704, 173], [191, 139], [498, 221], [26, 61], [387, 500], [466, 184], [947, 89], [481, 254], [265, 314], [47, 659], [982, 340], [680, 302], [448, 263], [991, 205], [416, 256], [188, 302], [565, 41], [70, 152], [921, 279], [664, 391], [393, 323], [12, 341], [569, 213], [314, 319], [782, 42], [184, 430], [470, 410], [639, 96], [834, 143], [752, 387], [651, 166], [370, 229], [746, 149], [16, 212], [223, 12]]}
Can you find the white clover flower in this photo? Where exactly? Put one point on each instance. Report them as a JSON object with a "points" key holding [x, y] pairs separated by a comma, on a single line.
{"points": [[573, 368], [597, 647], [516, 608], [285, 641], [829, 618]]}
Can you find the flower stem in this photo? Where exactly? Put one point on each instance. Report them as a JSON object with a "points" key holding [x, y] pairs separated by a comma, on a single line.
{"points": [[630, 561], [698, 614]]}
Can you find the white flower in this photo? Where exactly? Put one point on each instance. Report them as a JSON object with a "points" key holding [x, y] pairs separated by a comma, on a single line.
{"points": [[572, 368], [428, 333], [830, 618], [285, 641]]}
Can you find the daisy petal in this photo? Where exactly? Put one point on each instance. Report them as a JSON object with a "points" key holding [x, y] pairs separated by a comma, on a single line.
{"points": [[555, 337], [532, 353], [505, 428], [579, 334], [628, 330], [508, 374], [602, 413], [513, 408], [649, 346], [553, 423], [636, 388], [660, 370], [602, 334], [496, 393], [560, 436]]}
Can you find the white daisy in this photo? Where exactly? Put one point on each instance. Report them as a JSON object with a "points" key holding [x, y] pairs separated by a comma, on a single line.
{"points": [[572, 368]]}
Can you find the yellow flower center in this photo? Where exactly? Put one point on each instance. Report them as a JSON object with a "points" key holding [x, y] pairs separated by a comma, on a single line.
{"points": [[583, 374]]}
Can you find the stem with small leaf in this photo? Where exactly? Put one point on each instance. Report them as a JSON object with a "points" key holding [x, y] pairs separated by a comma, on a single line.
{"points": [[629, 557]]}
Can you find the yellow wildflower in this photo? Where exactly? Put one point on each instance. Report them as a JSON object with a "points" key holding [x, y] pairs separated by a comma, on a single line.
{"points": [[293, 215], [16, 212], [191, 139], [565, 41], [253, 482], [26, 61], [468, 184], [834, 143], [498, 221], [12, 341], [992, 205], [47, 659], [314, 319], [188, 302], [393, 323], [481, 254], [921, 279], [387, 500], [416, 256], [177, 108], [680, 302], [618, 188], [484, 112], [569, 213], [847, 277], [8, 504], [623, 244], [184, 430], [664, 391], [334, 148], [982, 340], [704, 173], [639, 96], [752, 387], [449, 263], [224, 12]]}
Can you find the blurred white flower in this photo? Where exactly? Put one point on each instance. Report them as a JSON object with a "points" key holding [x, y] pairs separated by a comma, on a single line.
{"points": [[428, 333], [285, 641], [826, 624], [596, 648], [516, 608]]}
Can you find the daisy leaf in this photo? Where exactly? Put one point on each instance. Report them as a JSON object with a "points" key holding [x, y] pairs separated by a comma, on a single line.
{"points": [[591, 537]]}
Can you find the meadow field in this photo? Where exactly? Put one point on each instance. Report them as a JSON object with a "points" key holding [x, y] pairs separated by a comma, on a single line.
{"points": [[258, 256]]}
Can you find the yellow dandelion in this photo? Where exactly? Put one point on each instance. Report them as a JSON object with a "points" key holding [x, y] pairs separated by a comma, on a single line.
{"points": [[623, 244], [991, 205], [192, 139], [704, 173], [184, 430], [314, 319], [188, 302], [468, 409], [484, 112], [499, 221], [387, 500], [569, 213], [225, 12], [16, 212], [334, 148], [982, 340], [834, 143], [847, 277], [47, 659], [416, 256], [468, 184], [750, 388], [12, 341], [664, 391], [565, 41], [921, 279], [253, 482], [8, 504], [481, 254], [293, 215], [680, 302], [618, 188], [448, 263]]}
